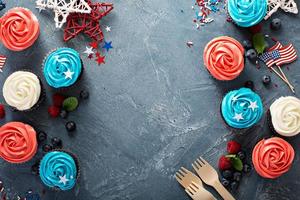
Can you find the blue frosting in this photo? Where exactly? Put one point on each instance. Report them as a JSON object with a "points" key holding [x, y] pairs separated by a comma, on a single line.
{"points": [[247, 13], [58, 63], [242, 108], [58, 169]]}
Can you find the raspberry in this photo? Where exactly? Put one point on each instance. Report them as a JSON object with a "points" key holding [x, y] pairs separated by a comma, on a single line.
{"points": [[224, 163], [58, 99], [233, 147], [53, 111], [2, 111], [255, 29]]}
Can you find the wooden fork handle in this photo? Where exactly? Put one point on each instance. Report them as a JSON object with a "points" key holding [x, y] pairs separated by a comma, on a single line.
{"points": [[223, 191]]}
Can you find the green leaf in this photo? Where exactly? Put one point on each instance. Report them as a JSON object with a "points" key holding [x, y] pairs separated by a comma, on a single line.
{"points": [[259, 42], [236, 163], [70, 104]]}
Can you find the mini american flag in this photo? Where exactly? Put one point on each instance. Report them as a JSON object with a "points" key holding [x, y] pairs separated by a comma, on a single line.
{"points": [[279, 55], [2, 62]]}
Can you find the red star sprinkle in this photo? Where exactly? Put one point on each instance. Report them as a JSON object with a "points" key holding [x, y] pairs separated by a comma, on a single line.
{"points": [[100, 60], [97, 54], [94, 44], [87, 23], [90, 56]]}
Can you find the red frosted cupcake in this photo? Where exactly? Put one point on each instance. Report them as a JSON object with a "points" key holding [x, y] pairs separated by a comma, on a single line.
{"points": [[224, 58], [19, 29], [18, 143], [272, 157]]}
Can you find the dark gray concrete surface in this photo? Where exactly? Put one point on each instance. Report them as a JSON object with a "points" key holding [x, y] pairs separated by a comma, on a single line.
{"points": [[153, 107]]}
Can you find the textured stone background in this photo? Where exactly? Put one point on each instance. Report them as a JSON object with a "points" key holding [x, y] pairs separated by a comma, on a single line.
{"points": [[153, 107]]}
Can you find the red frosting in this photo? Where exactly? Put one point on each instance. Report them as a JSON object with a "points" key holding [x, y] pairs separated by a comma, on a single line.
{"points": [[224, 58], [19, 28], [18, 142], [272, 157]]}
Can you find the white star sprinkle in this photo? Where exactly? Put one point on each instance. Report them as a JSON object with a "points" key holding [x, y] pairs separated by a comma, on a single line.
{"points": [[253, 105], [63, 179], [238, 117], [234, 98], [108, 28], [89, 51], [68, 74]]}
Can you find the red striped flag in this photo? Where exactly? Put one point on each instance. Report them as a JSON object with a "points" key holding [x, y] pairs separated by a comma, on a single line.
{"points": [[2, 62]]}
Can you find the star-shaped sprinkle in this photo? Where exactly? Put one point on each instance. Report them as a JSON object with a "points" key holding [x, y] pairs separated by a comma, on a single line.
{"points": [[100, 60], [63, 179], [253, 105], [107, 45], [88, 51], [234, 98], [94, 44], [238, 117], [68, 74], [108, 28]]}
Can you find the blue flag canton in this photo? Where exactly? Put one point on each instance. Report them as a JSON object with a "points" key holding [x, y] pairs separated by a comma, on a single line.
{"points": [[270, 55]]}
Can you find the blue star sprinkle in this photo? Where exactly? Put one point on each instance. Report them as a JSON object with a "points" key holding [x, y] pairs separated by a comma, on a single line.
{"points": [[107, 45]]}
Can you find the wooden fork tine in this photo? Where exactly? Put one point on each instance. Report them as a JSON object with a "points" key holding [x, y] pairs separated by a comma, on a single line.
{"points": [[194, 186], [205, 162], [181, 172], [184, 170], [195, 166], [199, 162], [178, 175], [188, 190]]}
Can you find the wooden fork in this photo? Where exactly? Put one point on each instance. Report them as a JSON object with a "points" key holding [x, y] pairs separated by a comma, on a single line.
{"points": [[186, 178], [195, 192], [210, 176]]}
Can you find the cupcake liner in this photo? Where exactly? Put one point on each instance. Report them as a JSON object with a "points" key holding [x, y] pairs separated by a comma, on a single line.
{"points": [[76, 163], [41, 98], [78, 79], [269, 121]]}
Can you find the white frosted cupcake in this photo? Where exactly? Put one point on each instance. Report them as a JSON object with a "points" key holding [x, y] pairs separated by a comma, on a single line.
{"points": [[285, 116], [22, 90]]}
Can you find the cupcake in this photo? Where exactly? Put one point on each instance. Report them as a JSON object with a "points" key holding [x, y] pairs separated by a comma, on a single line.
{"points": [[285, 116], [18, 143], [22, 90], [246, 13], [59, 170], [241, 108], [224, 58], [19, 29], [62, 68], [272, 157]]}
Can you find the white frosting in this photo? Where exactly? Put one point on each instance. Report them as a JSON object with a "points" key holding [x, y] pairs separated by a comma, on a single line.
{"points": [[285, 113], [22, 90]]}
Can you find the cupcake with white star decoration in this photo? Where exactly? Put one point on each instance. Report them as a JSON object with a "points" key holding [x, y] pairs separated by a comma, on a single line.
{"points": [[62, 68], [59, 170], [241, 108]]}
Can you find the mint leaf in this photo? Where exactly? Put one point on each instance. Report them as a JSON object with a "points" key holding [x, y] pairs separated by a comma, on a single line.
{"points": [[236, 163], [70, 104], [259, 42]]}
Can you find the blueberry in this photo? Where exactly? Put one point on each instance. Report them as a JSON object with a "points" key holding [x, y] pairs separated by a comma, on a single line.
{"points": [[227, 174], [251, 54], [56, 142], [84, 94], [276, 24], [42, 136], [237, 176], [35, 168], [225, 182], [47, 148], [70, 126], [241, 155], [249, 84], [247, 168], [234, 186], [266, 79], [247, 44], [63, 114]]}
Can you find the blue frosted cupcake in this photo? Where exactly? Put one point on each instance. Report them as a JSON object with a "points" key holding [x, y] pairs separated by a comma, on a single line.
{"points": [[241, 108], [59, 170], [62, 68], [246, 13]]}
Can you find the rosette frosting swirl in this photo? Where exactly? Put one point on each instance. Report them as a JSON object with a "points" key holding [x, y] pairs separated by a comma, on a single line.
{"points": [[272, 157], [285, 115], [17, 142], [22, 90], [62, 67], [58, 169], [242, 108], [19, 29], [247, 13], [224, 58]]}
